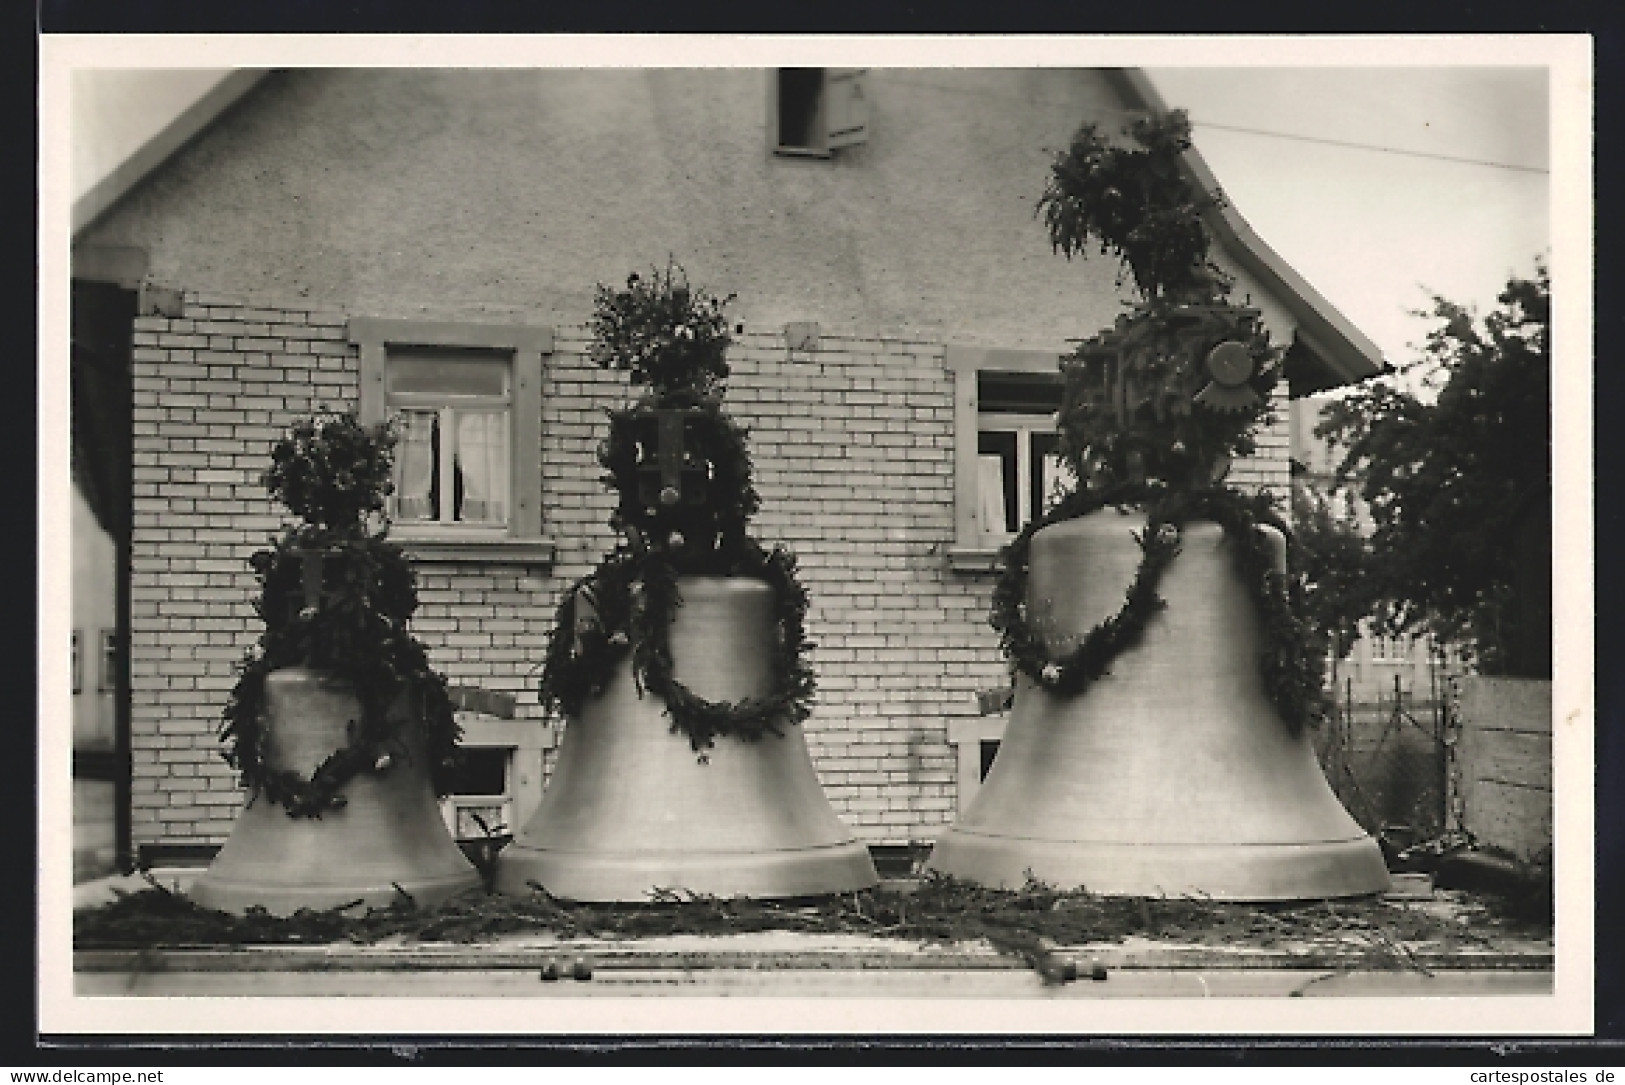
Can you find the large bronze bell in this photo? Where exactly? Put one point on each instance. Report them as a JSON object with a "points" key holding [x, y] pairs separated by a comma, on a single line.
{"points": [[632, 810], [387, 845], [1171, 775]]}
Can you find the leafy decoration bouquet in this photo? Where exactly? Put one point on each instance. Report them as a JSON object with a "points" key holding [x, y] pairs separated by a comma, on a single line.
{"points": [[681, 471], [336, 596]]}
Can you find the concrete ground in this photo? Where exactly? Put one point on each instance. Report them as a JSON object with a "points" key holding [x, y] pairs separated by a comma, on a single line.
{"points": [[825, 981]]}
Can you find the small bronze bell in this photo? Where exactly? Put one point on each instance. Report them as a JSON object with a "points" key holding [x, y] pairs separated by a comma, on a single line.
{"points": [[1173, 773]]}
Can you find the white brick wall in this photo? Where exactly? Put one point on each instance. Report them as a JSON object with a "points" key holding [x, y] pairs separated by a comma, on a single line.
{"points": [[212, 393], [853, 450], [1270, 469]]}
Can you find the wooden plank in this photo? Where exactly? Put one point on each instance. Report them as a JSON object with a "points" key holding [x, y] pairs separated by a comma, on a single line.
{"points": [[786, 951], [1517, 819], [1508, 757], [1506, 704]]}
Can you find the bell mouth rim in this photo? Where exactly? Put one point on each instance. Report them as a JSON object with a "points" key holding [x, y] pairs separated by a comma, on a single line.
{"points": [[1357, 839], [1240, 872], [618, 876], [238, 895], [610, 857]]}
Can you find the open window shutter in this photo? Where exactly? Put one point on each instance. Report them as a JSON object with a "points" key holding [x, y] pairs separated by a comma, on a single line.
{"points": [[846, 106]]}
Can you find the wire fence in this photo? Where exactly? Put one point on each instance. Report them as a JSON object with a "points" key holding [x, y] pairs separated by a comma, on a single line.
{"points": [[1387, 758]]}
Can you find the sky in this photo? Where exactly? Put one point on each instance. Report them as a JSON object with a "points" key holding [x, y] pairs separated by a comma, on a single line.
{"points": [[1378, 232], [1380, 185], [114, 111]]}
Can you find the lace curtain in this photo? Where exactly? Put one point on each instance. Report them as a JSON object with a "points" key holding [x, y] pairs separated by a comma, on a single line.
{"points": [[415, 465], [482, 466], [990, 485]]}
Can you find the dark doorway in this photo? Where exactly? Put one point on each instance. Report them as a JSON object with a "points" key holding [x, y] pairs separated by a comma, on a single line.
{"points": [[102, 322]]}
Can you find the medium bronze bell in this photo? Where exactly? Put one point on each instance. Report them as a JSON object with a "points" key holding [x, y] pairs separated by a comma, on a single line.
{"points": [[632, 810], [1172, 774], [387, 845]]}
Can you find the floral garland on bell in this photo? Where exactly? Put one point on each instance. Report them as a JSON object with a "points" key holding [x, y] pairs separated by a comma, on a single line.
{"points": [[1291, 676], [681, 471], [337, 597], [625, 607], [790, 700], [1025, 648]]}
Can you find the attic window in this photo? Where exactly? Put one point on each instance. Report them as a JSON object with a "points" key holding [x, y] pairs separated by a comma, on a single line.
{"points": [[817, 110], [801, 92]]}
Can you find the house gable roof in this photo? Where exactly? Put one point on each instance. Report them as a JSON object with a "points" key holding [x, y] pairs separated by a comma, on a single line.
{"points": [[153, 152], [1329, 350]]}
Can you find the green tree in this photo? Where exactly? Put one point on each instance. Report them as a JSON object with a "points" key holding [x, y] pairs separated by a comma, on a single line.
{"points": [[1329, 560], [1445, 481]]}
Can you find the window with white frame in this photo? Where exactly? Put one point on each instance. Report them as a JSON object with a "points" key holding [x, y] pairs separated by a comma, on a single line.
{"points": [[1385, 649], [479, 801], [499, 779], [110, 661], [453, 413], [1019, 471], [818, 110], [1006, 464], [466, 401]]}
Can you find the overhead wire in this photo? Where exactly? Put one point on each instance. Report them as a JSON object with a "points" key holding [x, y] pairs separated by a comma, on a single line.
{"points": [[1461, 159], [1271, 133]]}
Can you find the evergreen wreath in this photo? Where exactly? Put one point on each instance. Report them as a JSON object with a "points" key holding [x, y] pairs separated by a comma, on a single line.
{"points": [[679, 516], [1093, 656], [1291, 676], [336, 597], [585, 647]]}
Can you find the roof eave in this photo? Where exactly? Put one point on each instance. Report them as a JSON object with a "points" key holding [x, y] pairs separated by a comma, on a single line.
{"points": [[1346, 352], [104, 194]]}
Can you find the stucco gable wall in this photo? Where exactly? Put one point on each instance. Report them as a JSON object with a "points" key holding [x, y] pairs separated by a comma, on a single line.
{"points": [[467, 193], [1247, 290]]}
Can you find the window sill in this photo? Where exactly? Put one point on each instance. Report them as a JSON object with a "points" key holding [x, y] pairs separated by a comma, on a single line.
{"points": [[969, 730], [481, 731], [975, 559], [485, 551]]}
